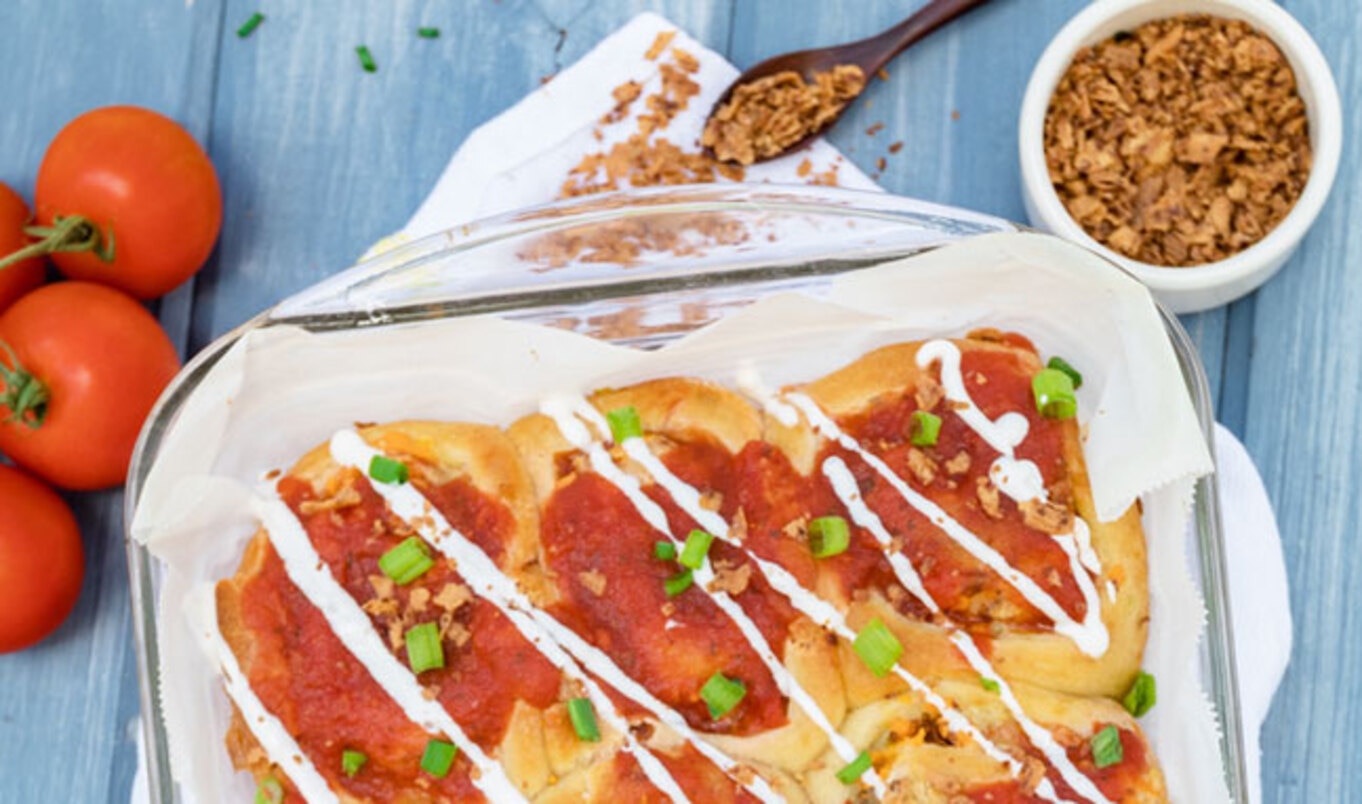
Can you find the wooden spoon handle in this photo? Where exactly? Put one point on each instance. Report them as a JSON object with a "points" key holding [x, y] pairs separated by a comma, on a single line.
{"points": [[922, 22]]}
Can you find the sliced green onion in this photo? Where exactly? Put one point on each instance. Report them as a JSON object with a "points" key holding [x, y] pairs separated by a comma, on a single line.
{"points": [[424, 649], [664, 550], [624, 423], [366, 59], [352, 761], [989, 684], [926, 427], [829, 536], [583, 717], [855, 769], [248, 27], [386, 470], [428, 33], [1141, 696], [439, 758], [878, 647], [269, 791], [1054, 393], [696, 548], [1060, 364], [407, 561], [721, 694], [1106, 747], [678, 583]]}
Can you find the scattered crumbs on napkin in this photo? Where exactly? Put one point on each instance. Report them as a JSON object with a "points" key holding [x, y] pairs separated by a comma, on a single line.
{"points": [[645, 73]]}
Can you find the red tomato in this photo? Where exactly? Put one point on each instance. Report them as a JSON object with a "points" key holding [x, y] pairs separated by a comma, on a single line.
{"points": [[140, 176], [41, 560], [21, 277], [102, 360]]}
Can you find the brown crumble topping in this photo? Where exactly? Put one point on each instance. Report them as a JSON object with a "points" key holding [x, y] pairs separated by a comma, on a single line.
{"points": [[922, 466], [959, 464], [874, 129], [764, 117], [383, 586], [882, 74], [711, 500], [593, 580], [881, 163], [452, 596], [797, 528], [737, 529], [896, 146], [730, 579], [955, 114], [659, 44], [419, 599], [928, 392], [1047, 516], [1181, 142], [988, 497], [804, 169], [345, 497]]}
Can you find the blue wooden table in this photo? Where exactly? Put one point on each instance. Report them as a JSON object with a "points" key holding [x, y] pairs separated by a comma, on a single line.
{"points": [[319, 159]]}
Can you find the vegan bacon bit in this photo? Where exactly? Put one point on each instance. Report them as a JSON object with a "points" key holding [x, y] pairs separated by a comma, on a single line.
{"points": [[764, 117], [1181, 142], [659, 44]]}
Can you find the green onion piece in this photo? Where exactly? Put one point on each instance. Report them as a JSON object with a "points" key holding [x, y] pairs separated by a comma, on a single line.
{"points": [[428, 33], [678, 583], [1106, 747], [855, 770], [721, 694], [696, 548], [439, 758], [583, 717], [926, 427], [1060, 364], [248, 27], [269, 791], [352, 761], [624, 423], [664, 550], [1054, 393], [829, 536], [1141, 696], [989, 684], [366, 59], [878, 647], [386, 470], [407, 561], [424, 649]]}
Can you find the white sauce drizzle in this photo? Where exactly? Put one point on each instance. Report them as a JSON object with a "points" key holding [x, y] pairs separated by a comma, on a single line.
{"points": [[564, 410], [1019, 479], [849, 492], [352, 627], [1090, 635], [559, 644], [274, 739], [816, 609]]}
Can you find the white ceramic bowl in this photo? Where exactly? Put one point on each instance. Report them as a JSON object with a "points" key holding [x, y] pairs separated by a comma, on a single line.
{"points": [[1201, 287]]}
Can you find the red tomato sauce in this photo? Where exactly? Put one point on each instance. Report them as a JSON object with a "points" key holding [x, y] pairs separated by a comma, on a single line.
{"points": [[670, 646], [305, 676], [967, 589], [474, 685]]}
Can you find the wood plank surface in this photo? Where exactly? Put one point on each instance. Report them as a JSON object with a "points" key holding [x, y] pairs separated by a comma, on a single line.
{"points": [[68, 707], [319, 159]]}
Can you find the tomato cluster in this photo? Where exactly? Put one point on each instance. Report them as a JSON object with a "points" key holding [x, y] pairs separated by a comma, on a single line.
{"points": [[127, 207]]}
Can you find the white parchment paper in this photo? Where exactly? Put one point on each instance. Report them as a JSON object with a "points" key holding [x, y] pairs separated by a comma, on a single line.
{"points": [[281, 391]]}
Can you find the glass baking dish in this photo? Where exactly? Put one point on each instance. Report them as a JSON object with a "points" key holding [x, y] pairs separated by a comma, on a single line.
{"points": [[642, 269]]}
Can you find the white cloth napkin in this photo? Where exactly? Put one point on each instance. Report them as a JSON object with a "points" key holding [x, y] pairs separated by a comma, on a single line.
{"points": [[521, 157]]}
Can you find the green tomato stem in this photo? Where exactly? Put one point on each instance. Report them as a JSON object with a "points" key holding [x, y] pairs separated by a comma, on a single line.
{"points": [[67, 234], [25, 395]]}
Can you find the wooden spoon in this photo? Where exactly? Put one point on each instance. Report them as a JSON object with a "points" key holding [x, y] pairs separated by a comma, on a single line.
{"points": [[870, 55]]}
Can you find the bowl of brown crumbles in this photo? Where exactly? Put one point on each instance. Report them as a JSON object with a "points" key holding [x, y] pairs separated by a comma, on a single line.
{"points": [[1193, 142]]}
